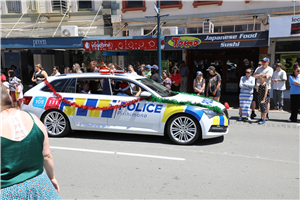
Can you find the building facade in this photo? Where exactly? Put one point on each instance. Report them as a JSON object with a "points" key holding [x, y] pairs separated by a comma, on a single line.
{"points": [[50, 32], [205, 19]]}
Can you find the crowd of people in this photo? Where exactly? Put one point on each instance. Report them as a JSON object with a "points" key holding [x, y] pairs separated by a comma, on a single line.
{"points": [[256, 90]]}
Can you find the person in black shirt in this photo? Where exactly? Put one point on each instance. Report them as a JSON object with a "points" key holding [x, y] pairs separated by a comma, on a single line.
{"points": [[154, 75]]}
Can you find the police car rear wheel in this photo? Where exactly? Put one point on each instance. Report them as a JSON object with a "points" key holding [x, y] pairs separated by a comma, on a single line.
{"points": [[183, 129], [56, 124]]}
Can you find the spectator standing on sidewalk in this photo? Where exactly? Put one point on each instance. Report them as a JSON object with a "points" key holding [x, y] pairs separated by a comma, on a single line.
{"points": [[148, 71], [94, 66], [3, 77], [294, 80], [213, 89], [176, 79], [55, 71], [255, 95], [247, 83], [279, 78], [263, 98], [199, 84], [184, 73], [166, 81], [265, 69], [76, 68], [39, 75], [154, 73]]}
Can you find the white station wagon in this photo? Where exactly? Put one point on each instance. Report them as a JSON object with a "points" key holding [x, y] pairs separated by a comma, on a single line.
{"points": [[184, 124]]}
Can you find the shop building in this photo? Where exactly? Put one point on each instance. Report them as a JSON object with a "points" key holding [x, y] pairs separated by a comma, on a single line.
{"points": [[207, 19], [285, 43], [24, 53], [230, 53]]}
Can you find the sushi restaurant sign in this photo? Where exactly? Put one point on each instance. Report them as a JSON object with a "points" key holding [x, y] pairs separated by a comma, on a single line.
{"points": [[215, 41]]}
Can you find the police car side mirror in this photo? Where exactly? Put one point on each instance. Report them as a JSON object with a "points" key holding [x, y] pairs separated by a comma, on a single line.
{"points": [[145, 94]]}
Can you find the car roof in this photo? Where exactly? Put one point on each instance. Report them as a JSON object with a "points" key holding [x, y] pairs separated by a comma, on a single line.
{"points": [[95, 75]]}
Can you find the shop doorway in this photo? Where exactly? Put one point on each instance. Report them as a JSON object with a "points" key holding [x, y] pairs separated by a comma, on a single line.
{"points": [[230, 64]]}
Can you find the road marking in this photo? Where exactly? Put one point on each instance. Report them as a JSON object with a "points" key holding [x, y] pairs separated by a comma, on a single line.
{"points": [[118, 153]]}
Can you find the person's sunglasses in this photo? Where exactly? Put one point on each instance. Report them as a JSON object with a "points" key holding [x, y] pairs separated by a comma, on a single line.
{"points": [[248, 72], [298, 71]]}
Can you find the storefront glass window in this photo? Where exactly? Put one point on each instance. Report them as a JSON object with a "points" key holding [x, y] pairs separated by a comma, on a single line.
{"points": [[200, 30], [287, 46]]}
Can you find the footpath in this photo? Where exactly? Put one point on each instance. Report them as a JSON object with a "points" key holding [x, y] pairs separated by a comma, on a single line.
{"points": [[277, 119]]}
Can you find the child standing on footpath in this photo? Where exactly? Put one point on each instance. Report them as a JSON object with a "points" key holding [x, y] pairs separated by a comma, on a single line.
{"points": [[262, 91]]}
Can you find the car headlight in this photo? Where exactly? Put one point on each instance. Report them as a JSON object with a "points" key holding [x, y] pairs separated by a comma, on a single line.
{"points": [[210, 113]]}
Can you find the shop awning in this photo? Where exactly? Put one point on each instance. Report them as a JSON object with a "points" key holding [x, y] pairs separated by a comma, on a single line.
{"points": [[41, 43], [120, 43], [218, 41]]}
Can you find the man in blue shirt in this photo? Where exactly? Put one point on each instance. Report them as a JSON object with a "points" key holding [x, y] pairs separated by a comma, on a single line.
{"points": [[184, 72]]}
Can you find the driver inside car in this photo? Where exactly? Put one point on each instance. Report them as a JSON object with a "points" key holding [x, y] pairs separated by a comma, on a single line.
{"points": [[125, 90]]}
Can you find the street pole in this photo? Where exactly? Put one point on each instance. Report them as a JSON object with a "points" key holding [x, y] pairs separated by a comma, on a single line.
{"points": [[158, 41]]}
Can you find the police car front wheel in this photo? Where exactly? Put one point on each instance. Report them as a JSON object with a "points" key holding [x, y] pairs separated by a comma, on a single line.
{"points": [[56, 123], [183, 129]]}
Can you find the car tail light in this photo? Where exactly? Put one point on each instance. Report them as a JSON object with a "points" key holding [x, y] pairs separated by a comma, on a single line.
{"points": [[26, 100]]}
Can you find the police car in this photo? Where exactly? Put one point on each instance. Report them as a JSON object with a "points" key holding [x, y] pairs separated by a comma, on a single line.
{"points": [[183, 124]]}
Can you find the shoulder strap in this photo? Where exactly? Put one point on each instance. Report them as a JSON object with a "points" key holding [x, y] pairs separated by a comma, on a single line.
{"points": [[30, 115]]}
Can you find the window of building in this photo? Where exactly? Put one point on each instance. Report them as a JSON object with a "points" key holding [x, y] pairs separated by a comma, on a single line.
{"points": [[204, 3], [125, 33], [241, 27], [148, 31], [84, 5], [228, 28], [170, 4], [217, 29], [61, 5], [14, 6], [200, 30], [181, 30], [133, 6], [250, 27], [191, 30]]}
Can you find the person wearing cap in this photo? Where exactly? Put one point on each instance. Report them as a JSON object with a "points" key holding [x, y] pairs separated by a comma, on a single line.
{"points": [[213, 89], [199, 84], [184, 73], [154, 73], [148, 71], [255, 95], [265, 69], [2, 76], [125, 90], [176, 79], [279, 78]]}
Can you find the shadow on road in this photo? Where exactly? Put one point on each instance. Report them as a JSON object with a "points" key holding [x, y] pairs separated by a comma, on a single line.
{"points": [[136, 138]]}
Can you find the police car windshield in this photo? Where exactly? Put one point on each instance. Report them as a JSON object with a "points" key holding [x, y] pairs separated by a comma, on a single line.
{"points": [[156, 87]]}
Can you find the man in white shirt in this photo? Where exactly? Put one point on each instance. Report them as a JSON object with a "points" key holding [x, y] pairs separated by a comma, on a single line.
{"points": [[265, 69], [279, 78]]}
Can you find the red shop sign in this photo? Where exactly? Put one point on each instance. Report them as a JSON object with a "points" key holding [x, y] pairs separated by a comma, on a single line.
{"points": [[127, 44]]}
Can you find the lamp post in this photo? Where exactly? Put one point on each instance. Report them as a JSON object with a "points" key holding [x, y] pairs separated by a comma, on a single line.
{"points": [[158, 16]]}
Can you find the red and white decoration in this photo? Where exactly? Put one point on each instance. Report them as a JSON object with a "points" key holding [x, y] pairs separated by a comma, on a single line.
{"points": [[124, 44]]}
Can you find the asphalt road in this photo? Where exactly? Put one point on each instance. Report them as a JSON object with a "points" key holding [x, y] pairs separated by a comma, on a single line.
{"points": [[251, 162]]}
